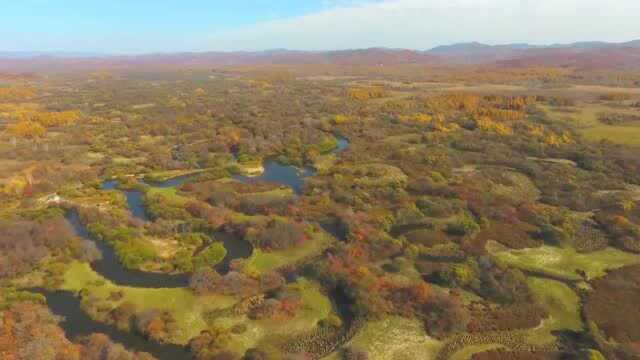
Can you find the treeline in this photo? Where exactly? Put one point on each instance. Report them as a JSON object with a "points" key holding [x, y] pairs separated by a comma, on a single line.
{"points": [[30, 331], [28, 240], [34, 124]]}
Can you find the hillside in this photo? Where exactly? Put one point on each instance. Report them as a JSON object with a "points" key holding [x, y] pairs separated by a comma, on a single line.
{"points": [[598, 55]]}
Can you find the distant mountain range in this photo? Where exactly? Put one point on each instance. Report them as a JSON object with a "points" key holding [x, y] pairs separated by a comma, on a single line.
{"points": [[474, 48], [581, 54], [594, 54]]}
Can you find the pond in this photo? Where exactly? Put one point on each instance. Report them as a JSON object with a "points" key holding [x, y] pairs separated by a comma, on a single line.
{"points": [[277, 173], [290, 176]]}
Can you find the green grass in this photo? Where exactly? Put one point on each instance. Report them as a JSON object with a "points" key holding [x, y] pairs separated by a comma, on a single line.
{"points": [[210, 256], [468, 351], [316, 306], [251, 168], [585, 118], [394, 338], [563, 262], [261, 261], [628, 135], [171, 174], [186, 307], [170, 194], [560, 300], [563, 305]]}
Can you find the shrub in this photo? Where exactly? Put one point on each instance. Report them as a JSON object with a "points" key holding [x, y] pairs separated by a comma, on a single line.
{"points": [[463, 227], [437, 207], [135, 252], [210, 256], [280, 234], [354, 353]]}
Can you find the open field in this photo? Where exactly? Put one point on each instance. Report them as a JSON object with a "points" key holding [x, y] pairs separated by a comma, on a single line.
{"points": [[618, 134], [171, 174], [394, 338], [585, 118], [169, 194], [467, 352], [562, 303], [564, 262], [261, 261], [186, 307], [315, 307]]}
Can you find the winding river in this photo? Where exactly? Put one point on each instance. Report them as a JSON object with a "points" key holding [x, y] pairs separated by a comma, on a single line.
{"points": [[110, 268], [77, 323]]}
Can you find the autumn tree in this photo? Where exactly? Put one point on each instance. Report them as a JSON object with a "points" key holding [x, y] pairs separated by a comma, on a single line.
{"points": [[27, 129]]}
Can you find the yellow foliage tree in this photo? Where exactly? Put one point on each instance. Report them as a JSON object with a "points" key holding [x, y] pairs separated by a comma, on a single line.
{"points": [[200, 92], [485, 123], [27, 129], [366, 93], [50, 119], [16, 93], [557, 140], [340, 119], [419, 118]]}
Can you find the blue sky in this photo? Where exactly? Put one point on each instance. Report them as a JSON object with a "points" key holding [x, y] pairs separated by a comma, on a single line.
{"points": [[134, 25], [143, 26], [146, 15]]}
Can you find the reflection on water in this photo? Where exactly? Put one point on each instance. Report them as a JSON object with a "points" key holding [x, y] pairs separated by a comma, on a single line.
{"points": [[134, 200], [237, 248], [274, 172], [109, 266], [291, 176], [77, 323]]}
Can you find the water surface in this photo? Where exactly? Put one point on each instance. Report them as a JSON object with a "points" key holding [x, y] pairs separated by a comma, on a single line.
{"points": [[290, 176], [77, 323]]}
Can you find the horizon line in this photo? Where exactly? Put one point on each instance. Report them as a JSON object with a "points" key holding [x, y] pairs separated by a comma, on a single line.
{"points": [[92, 54]]}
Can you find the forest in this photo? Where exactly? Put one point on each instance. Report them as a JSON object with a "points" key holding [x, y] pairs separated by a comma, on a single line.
{"points": [[320, 212]]}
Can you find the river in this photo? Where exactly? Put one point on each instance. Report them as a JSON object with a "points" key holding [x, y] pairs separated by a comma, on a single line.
{"points": [[77, 323]]}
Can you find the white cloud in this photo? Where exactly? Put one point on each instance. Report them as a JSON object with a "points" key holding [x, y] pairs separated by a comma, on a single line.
{"points": [[422, 24]]}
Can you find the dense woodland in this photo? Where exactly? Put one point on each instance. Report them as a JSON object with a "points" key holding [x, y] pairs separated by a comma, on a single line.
{"points": [[483, 213]]}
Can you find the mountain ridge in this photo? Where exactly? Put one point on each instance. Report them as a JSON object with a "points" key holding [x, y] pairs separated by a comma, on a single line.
{"points": [[579, 54]]}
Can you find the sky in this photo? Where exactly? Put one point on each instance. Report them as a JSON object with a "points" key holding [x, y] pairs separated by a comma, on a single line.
{"points": [[151, 26]]}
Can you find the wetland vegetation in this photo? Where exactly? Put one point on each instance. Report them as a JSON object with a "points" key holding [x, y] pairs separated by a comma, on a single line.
{"points": [[283, 213]]}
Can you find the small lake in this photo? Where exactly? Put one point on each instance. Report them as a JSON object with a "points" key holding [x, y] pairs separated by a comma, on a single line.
{"points": [[236, 247], [290, 176], [277, 173]]}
